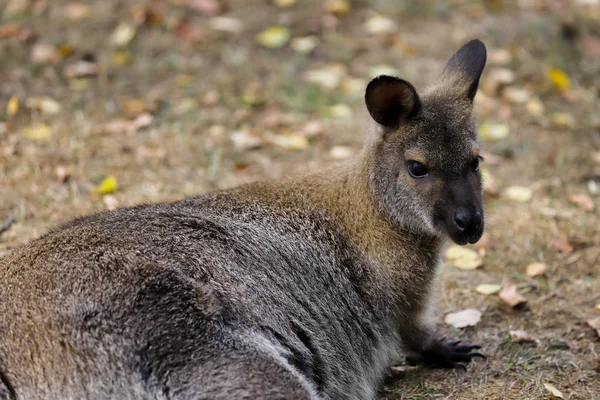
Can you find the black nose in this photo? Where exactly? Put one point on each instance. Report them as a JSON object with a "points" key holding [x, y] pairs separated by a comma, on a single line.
{"points": [[467, 222]]}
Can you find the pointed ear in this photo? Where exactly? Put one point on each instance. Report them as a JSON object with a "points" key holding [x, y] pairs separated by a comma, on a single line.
{"points": [[391, 100], [465, 68]]}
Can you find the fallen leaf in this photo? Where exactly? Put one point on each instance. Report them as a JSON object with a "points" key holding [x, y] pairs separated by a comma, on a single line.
{"points": [[339, 8], [190, 33], [313, 128], [535, 107], [341, 152], [497, 78], [595, 324], [305, 44], [510, 296], [553, 390], [274, 37], [535, 269], [490, 187], [583, 201], [492, 132], [499, 56], [464, 318], [80, 69], [338, 111], [123, 35], [516, 95], [43, 53], [134, 107], [79, 85], [108, 185], [597, 307], [121, 57], [563, 246], [290, 141], [62, 174], [46, 105], [207, 7], [125, 125], [37, 131], [284, 3], [226, 24], [463, 257], [328, 77], [519, 194], [12, 107], [254, 94], [488, 288], [245, 139], [558, 78], [563, 120], [77, 11], [110, 202], [66, 50], [521, 336], [378, 25]]}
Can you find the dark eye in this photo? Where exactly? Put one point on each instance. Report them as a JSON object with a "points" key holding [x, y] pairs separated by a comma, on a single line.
{"points": [[475, 163], [416, 169]]}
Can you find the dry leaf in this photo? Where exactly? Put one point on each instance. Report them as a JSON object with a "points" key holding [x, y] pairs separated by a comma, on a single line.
{"points": [[43, 53], [305, 44], [37, 131], [108, 185], [123, 35], [563, 120], [245, 139], [77, 11], [497, 78], [519, 194], [499, 56], [562, 245], [341, 152], [226, 24], [80, 69], [339, 8], [510, 296], [254, 94], [582, 200], [121, 57], [46, 105], [110, 202], [493, 132], [595, 324], [12, 107], [463, 257], [553, 390], [62, 174], [189, 33], [535, 107], [521, 336], [535, 269], [328, 77], [274, 37], [464, 318], [516, 95], [284, 3], [597, 307], [338, 111], [488, 288], [290, 141], [207, 7], [559, 78], [378, 25]]}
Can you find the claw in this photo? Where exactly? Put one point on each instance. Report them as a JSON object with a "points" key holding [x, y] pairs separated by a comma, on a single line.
{"points": [[454, 343], [459, 366], [477, 354]]}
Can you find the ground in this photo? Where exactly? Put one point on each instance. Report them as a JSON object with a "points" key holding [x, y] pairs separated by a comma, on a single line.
{"points": [[179, 97]]}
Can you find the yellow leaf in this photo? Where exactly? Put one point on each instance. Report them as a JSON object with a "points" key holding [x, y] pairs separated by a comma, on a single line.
{"points": [[274, 37], [535, 269], [13, 106], [519, 194], [552, 389], [108, 185], [37, 131], [491, 132], [120, 58], [123, 35], [559, 78], [488, 288], [463, 258]]}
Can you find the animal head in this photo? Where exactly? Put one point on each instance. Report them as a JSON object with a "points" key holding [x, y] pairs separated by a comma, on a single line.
{"points": [[424, 163]]}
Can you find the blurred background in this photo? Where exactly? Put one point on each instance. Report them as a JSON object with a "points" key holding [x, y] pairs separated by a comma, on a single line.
{"points": [[111, 103]]}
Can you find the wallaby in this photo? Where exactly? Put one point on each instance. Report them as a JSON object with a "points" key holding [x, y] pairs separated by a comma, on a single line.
{"points": [[308, 287]]}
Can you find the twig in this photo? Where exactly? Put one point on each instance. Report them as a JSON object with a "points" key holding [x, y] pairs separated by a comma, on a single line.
{"points": [[7, 224]]}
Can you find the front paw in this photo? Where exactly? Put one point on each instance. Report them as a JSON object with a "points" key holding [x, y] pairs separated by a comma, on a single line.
{"points": [[444, 354]]}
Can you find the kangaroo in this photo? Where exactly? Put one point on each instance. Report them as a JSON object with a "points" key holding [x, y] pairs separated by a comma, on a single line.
{"points": [[304, 288]]}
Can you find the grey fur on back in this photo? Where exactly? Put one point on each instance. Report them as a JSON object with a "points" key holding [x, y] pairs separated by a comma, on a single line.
{"points": [[304, 288]]}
